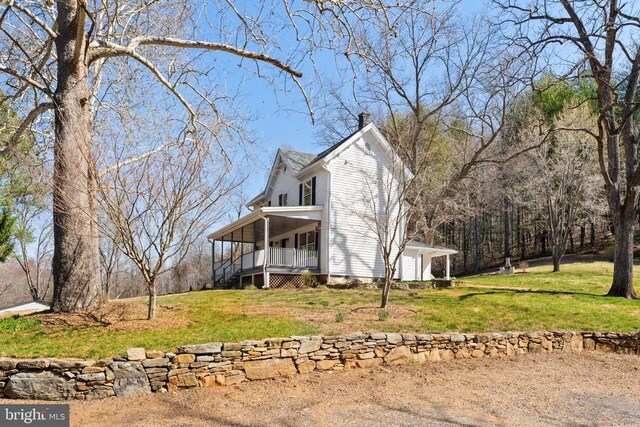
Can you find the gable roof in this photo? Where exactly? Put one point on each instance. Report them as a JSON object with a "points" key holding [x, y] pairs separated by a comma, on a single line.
{"points": [[329, 150], [297, 160], [300, 162]]}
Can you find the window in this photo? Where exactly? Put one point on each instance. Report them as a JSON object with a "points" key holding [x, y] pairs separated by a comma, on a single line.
{"points": [[307, 193], [282, 199], [308, 241]]}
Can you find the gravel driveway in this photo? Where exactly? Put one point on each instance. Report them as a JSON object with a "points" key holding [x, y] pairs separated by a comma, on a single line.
{"points": [[541, 390]]}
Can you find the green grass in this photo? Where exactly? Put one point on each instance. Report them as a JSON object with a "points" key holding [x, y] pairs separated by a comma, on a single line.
{"points": [[536, 300]]}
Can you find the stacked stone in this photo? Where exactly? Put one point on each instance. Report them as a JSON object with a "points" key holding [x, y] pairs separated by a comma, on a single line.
{"points": [[207, 365], [56, 379], [155, 365]]}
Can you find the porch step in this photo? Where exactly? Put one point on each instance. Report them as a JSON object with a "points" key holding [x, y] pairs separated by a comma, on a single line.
{"points": [[231, 282]]}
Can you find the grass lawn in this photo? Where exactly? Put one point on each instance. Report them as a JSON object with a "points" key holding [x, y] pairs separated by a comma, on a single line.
{"points": [[535, 300]]}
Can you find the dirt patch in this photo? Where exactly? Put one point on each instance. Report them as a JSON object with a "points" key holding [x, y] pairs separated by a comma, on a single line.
{"points": [[352, 319], [535, 390], [119, 316]]}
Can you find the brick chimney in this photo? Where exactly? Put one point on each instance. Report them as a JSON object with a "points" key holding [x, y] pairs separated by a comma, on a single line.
{"points": [[363, 120]]}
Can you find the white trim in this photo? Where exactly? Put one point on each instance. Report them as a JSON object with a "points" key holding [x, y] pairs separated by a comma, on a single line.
{"points": [[389, 151], [256, 200], [327, 247], [313, 213], [434, 252]]}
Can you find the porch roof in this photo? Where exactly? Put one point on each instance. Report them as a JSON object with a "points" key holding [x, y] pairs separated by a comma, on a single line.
{"points": [[284, 218], [430, 249]]}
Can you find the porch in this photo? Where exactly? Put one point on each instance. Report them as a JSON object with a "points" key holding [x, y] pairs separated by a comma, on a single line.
{"points": [[269, 240]]}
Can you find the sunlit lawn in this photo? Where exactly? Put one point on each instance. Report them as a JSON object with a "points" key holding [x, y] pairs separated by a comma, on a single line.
{"points": [[536, 300]]}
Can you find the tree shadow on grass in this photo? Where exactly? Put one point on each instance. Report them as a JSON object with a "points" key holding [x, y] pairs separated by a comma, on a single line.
{"points": [[496, 291]]}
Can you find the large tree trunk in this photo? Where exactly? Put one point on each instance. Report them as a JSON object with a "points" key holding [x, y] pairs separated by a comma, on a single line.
{"points": [[622, 285], [76, 277]]}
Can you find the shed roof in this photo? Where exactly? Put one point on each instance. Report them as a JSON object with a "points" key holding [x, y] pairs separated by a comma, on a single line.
{"points": [[430, 248]]}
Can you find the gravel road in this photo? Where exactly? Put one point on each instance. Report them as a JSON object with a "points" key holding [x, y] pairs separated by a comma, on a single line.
{"points": [[533, 390]]}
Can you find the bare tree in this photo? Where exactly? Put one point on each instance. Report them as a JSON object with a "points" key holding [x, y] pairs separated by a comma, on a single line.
{"points": [[31, 207], [194, 272], [560, 176], [439, 87], [55, 55], [598, 38], [110, 265], [37, 267], [384, 211], [158, 207]]}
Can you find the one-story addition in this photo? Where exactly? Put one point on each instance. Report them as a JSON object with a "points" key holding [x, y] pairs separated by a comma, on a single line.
{"points": [[310, 218]]}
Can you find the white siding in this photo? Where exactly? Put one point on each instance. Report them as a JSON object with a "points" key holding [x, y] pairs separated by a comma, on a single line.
{"points": [[357, 177], [426, 268], [410, 265], [285, 183]]}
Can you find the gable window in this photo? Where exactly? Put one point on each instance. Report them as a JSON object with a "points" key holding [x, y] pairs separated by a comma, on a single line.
{"points": [[282, 199], [307, 193], [307, 241]]}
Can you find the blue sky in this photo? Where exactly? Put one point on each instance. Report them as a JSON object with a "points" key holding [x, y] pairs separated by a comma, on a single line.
{"points": [[282, 118]]}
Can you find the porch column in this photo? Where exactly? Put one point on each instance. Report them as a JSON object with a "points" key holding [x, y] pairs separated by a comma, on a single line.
{"points": [[448, 268], [241, 249], [231, 264], [266, 253], [318, 244], [224, 269], [213, 263], [255, 228]]}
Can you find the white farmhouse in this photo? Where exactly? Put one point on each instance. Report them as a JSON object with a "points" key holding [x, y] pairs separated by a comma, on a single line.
{"points": [[314, 215]]}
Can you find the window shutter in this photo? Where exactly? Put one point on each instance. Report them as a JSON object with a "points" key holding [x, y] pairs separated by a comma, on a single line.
{"points": [[295, 241], [313, 191], [300, 195], [280, 200], [269, 204]]}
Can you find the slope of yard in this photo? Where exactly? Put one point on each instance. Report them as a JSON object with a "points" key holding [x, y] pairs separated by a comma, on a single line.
{"points": [[535, 300]]}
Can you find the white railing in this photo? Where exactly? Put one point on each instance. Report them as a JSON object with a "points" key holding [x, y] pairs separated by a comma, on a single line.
{"points": [[278, 257], [294, 258]]}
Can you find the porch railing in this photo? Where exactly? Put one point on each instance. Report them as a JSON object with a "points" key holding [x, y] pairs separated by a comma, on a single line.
{"points": [[294, 258], [278, 257]]}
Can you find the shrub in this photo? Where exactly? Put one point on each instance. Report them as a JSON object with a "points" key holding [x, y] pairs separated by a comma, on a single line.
{"points": [[309, 280], [339, 317], [383, 315], [250, 287]]}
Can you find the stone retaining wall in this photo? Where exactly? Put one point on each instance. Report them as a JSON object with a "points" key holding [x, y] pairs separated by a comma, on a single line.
{"points": [[208, 365]]}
